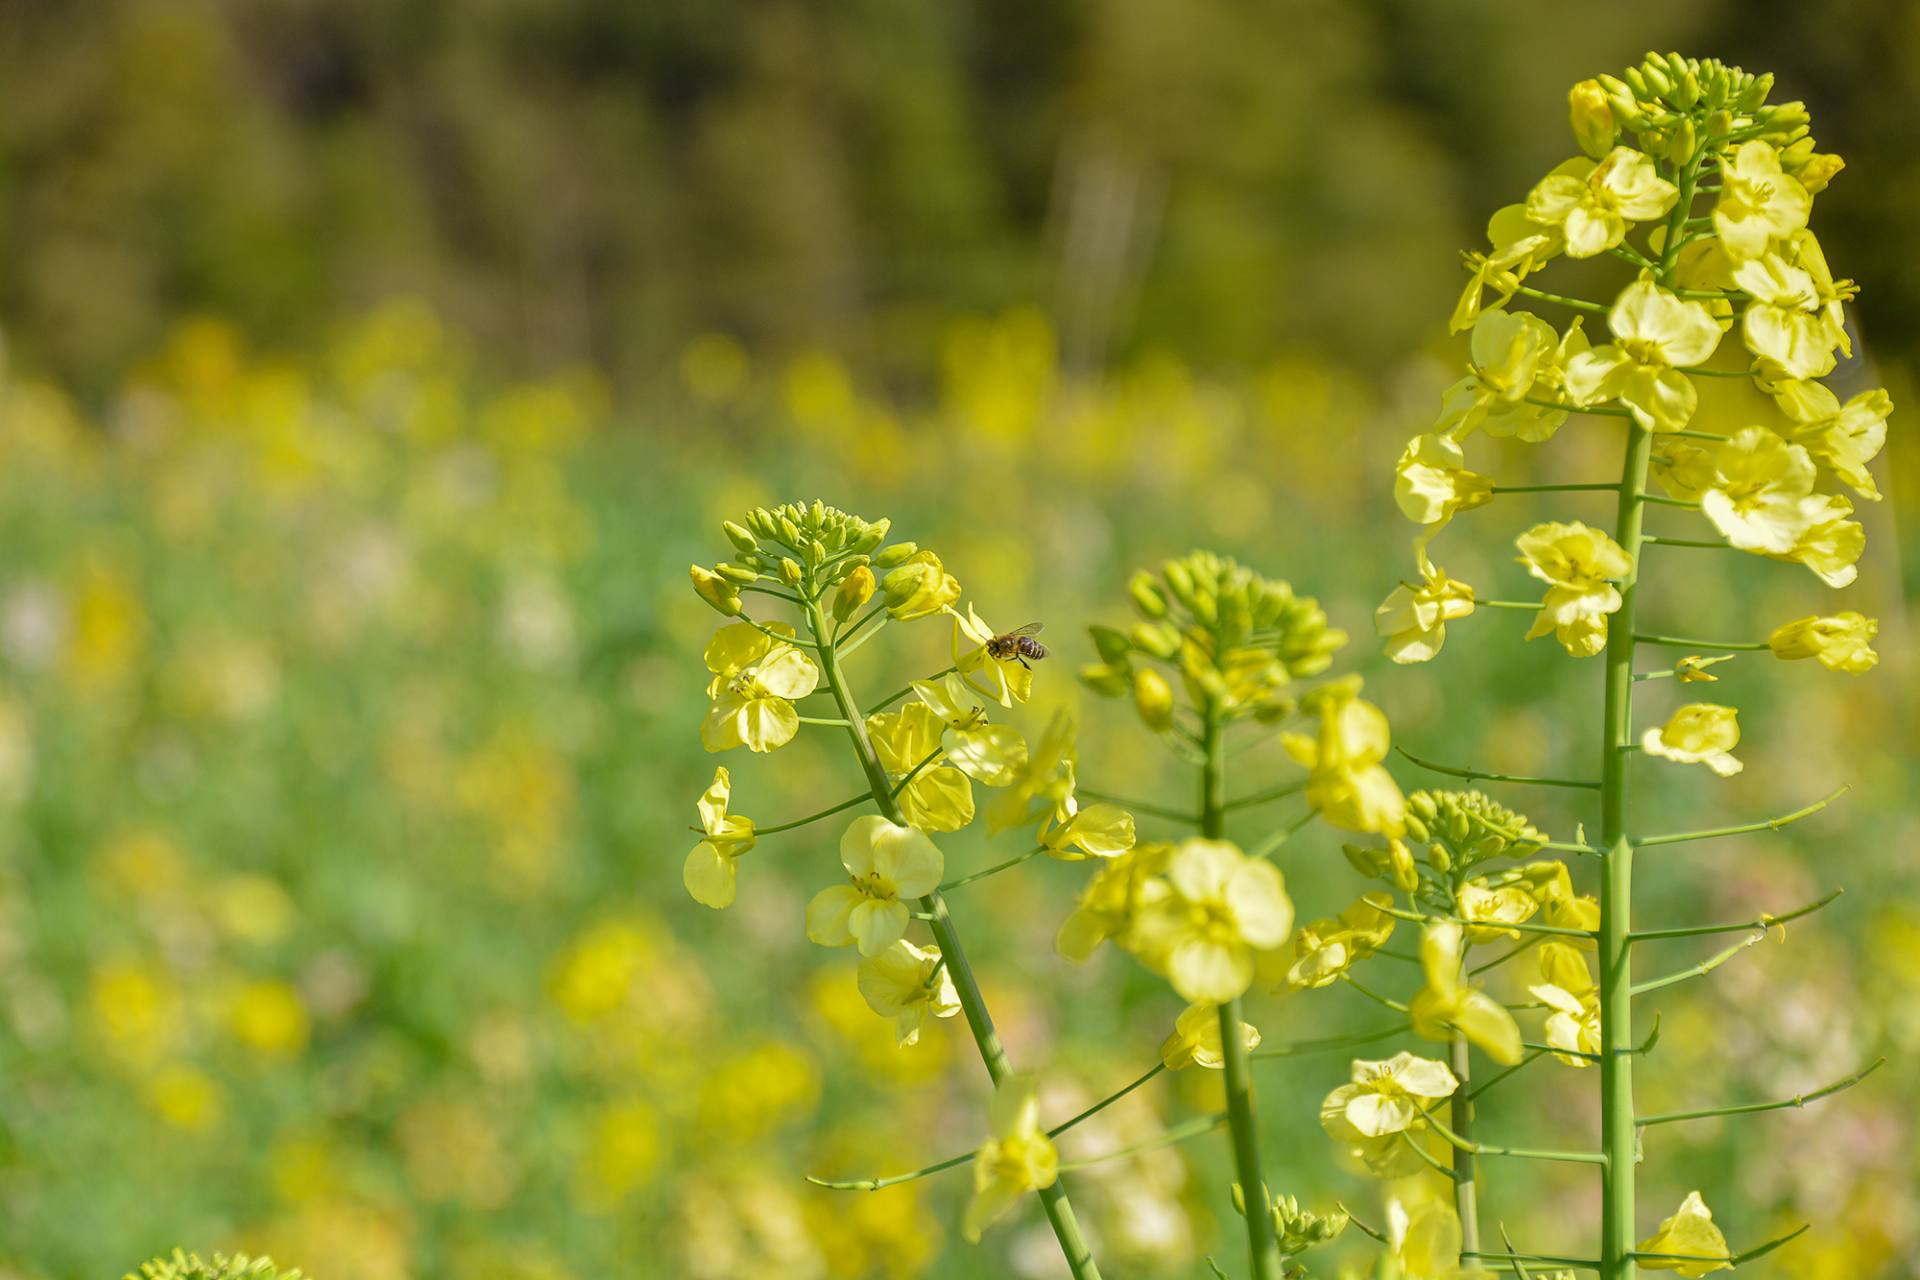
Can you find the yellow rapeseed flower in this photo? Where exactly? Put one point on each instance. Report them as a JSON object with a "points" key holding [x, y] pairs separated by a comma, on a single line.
{"points": [[919, 588], [1690, 1233], [1124, 886], [1698, 733], [1842, 642], [1843, 438], [1757, 494], [1325, 949], [1432, 483], [1758, 202], [1196, 1040], [709, 871], [988, 753], [908, 983], [1018, 1158], [1385, 1098], [1656, 335], [938, 797], [1413, 618], [755, 682], [1578, 564], [1223, 910], [1005, 682], [1519, 247], [1593, 210], [1566, 986], [1448, 1004], [887, 865], [1346, 783], [1786, 325]]}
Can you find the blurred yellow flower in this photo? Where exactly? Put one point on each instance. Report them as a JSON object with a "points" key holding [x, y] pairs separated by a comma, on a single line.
{"points": [[622, 1156], [1448, 1004], [1346, 783], [1758, 203], [1385, 1098], [1843, 642], [1757, 495], [1844, 438], [1018, 1158], [1095, 831], [1196, 1039], [709, 872], [184, 1096], [1829, 544], [908, 983], [1566, 986], [755, 682], [1325, 949], [1698, 733], [1224, 909], [1519, 247], [137, 1009], [1689, 1233], [1577, 564], [1489, 911], [1119, 890], [268, 1017], [887, 865]]}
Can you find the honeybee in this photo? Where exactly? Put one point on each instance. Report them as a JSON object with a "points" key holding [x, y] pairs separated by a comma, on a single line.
{"points": [[1018, 645]]}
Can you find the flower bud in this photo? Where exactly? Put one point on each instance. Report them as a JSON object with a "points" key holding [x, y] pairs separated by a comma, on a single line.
{"points": [[1112, 645], [1161, 639], [897, 554], [789, 531], [1153, 699], [872, 535], [741, 539], [1147, 596], [855, 590], [920, 587], [738, 574], [716, 591], [1438, 858], [790, 571], [1591, 118], [1108, 679]]}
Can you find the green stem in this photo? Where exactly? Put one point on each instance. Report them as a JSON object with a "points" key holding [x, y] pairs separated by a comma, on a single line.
{"points": [[1466, 1163], [1107, 1101], [1598, 411], [1702, 544], [1752, 1108], [862, 798], [995, 869], [1483, 776], [1138, 806], [1712, 646], [1578, 304], [1263, 1247], [1747, 828], [1066, 1228], [1758, 922], [898, 694]]}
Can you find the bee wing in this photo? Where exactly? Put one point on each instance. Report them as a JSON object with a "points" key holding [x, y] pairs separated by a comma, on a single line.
{"points": [[1031, 629]]}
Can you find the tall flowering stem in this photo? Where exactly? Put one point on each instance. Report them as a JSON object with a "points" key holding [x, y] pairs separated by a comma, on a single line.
{"points": [[1748, 264]]}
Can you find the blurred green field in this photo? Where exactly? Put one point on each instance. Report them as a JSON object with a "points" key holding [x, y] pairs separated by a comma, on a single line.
{"points": [[372, 374]]}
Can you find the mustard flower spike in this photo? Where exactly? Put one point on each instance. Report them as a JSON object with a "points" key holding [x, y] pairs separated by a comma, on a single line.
{"points": [[1842, 642], [1698, 733]]}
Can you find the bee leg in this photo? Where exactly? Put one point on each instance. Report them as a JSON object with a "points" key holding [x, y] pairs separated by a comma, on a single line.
{"points": [[1023, 662]]}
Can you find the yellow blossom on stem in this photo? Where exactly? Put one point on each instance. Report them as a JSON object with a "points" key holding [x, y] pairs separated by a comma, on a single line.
{"points": [[1520, 246], [1758, 202], [992, 754], [1757, 495], [1691, 1232], [1385, 1098], [1223, 910], [1124, 886], [1425, 1239], [1844, 438], [908, 984], [1578, 564], [1018, 1158], [1656, 335], [1325, 949], [1785, 324], [709, 871], [1843, 642], [1432, 483], [1516, 359], [1566, 986], [939, 797], [1593, 211], [887, 865], [1489, 911], [1413, 618], [1196, 1041], [920, 587], [1698, 733], [1448, 1004], [1096, 831], [1346, 782], [756, 679], [1830, 544], [1044, 783]]}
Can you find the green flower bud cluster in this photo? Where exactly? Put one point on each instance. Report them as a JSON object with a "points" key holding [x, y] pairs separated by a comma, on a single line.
{"points": [[1299, 1229], [796, 544], [1237, 639], [1667, 98], [1462, 828], [190, 1266]]}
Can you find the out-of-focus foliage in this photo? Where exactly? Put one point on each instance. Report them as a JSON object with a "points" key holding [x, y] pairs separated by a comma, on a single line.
{"points": [[577, 179], [344, 705]]}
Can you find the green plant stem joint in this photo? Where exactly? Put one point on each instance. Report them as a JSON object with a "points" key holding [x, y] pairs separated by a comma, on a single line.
{"points": [[973, 1005]]}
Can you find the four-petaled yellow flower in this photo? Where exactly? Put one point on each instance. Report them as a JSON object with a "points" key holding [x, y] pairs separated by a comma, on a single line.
{"points": [[756, 679], [1520, 246], [1426, 1239], [1413, 618], [1386, 1098], [938, 796], [1786, 324], [1018, 1158], [1566, 986], [887, 865], [1830, 544], [1196, 1040], [908, 983], [709, 872], [1578, 565], [1698, 733], [1594, 209], [1656, 335], [1325, 949], [1688, 1234], [1448, 1004], [1489, 910], [1757, 495], [1431, 480], [988, 753], [1517, 362], [1096, 831], [1758, 202], [1346, 782], [1005, 682], [1223, 910], [1123, 887], [1845, 438], [1843, 642]]}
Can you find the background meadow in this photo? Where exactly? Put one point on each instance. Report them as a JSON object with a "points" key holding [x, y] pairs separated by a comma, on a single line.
{"points": [[374, 373]]}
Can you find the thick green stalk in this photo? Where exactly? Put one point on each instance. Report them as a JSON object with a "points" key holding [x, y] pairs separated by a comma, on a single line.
{"points": [[972, 1004], [1262, 1245], [1466, 1165]]}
